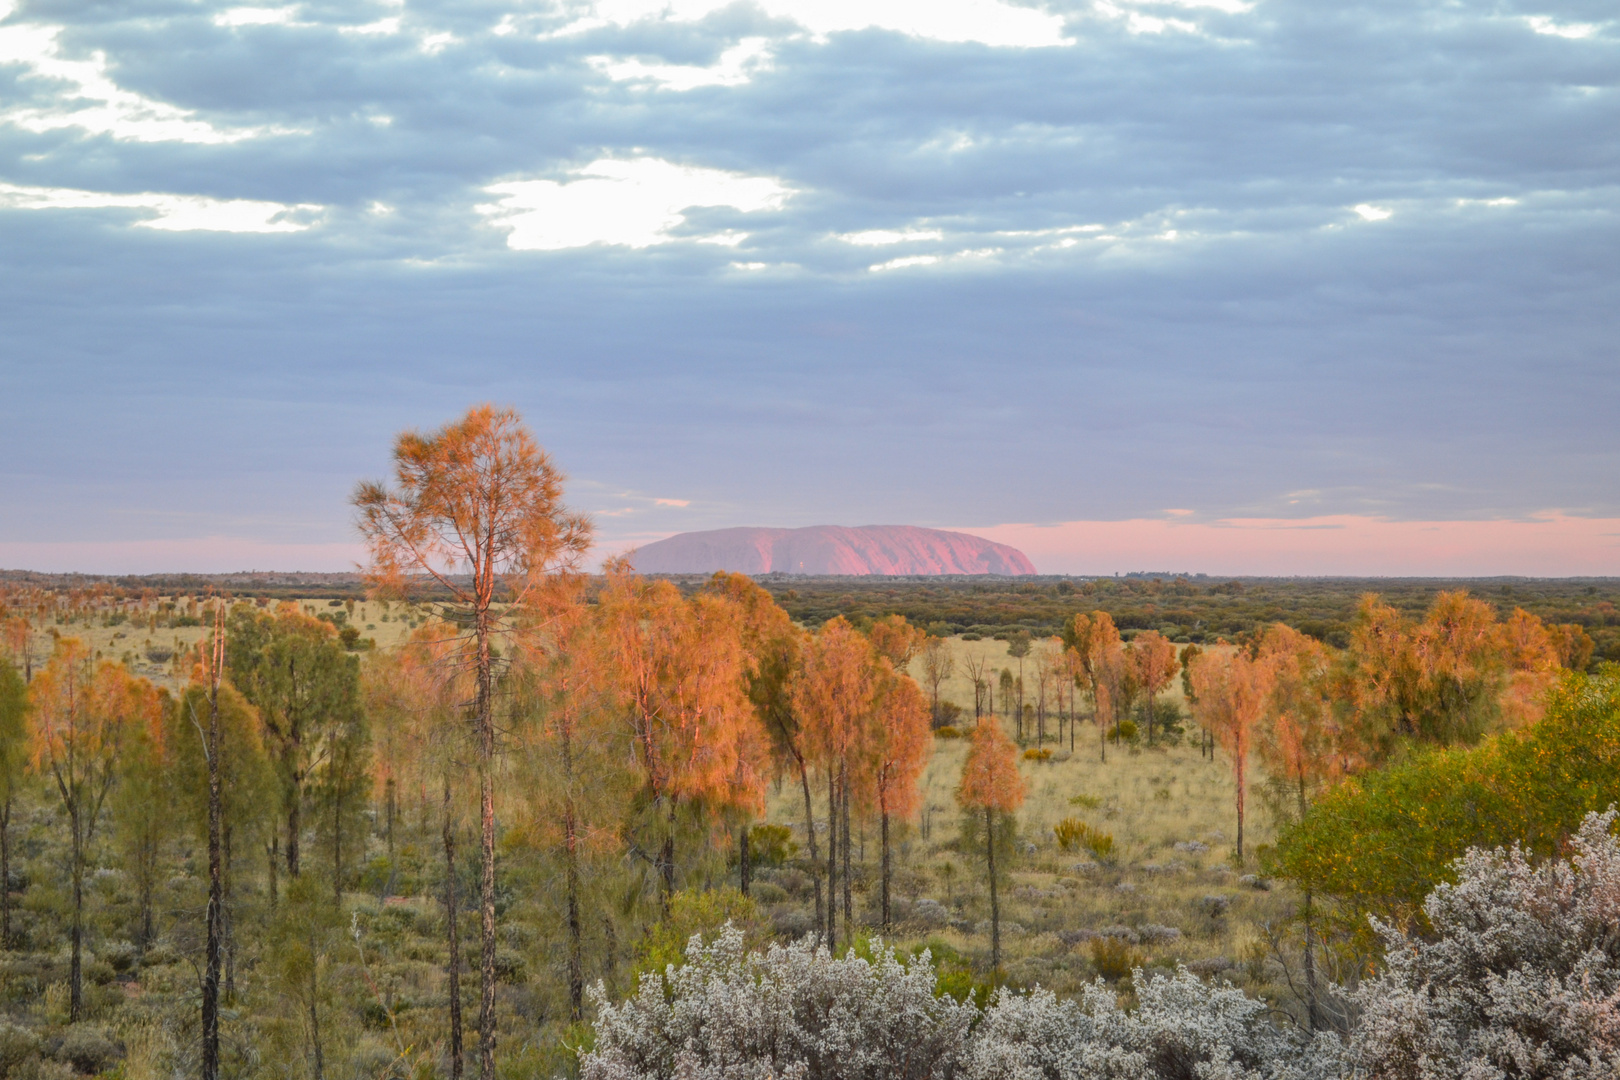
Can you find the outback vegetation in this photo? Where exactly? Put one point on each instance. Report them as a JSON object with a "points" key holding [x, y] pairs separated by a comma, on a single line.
{"points": [[497, 815]]}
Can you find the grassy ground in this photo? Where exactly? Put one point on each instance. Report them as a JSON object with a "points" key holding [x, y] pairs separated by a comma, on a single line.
{"points": [[1170, 891]]}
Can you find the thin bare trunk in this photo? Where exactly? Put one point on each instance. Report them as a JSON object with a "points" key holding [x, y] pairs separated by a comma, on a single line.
{"points": [[486, 877], [995, 906], [216, 873], [75, 968], [849, 903], [742, 860], [315, 1020], [832, 861], [884, 826], [810, 831], [453, 930], [5, 874]]}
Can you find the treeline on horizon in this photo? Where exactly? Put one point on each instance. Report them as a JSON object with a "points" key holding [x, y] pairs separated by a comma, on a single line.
{"points": [[1185, 609]]}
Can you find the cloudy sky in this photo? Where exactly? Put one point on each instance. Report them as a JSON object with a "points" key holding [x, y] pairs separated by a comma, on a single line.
{"points": [[1218, 285]]}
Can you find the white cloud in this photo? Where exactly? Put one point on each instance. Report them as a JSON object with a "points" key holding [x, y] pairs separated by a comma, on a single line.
{"points": [[987, 22], [171, 213], [736, 66], [1370, 212], [631, 203], [876, 237], [1541, 24], [92, 101], [930, 260], [257, 16]]}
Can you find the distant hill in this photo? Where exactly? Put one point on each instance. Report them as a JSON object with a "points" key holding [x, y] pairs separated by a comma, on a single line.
{"points": [[831, 549]]}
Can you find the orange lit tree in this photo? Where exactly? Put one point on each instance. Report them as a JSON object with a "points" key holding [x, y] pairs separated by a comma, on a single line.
{"points": [[476, 507], [896, 754], [1232, 691], [992, 786], [1153, 658], [1096, 644], [80, 713]]}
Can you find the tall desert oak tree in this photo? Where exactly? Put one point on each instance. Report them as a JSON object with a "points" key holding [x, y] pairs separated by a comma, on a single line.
{"points": [[834, 695], [80, 712], [1095, 641], [415, 695], [1153, 658], [475, 507], [774, 646], [1233, 690], [897, 752], [13, 753], [991, 785], [680, 679]]}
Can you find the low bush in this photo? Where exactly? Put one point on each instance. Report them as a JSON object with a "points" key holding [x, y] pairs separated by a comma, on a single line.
{"points": [[1073, 833]]}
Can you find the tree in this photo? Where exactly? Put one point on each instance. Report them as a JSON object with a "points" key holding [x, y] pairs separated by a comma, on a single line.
{"points": [[1153, 658], [1233, 689], [978, 672], [776, 647], [18, 634], [680, 676], [834, 694], [898, 752], [81, 716], [306, 686], [991, 785], [939, 664], [13, 755], [895, 638], [477, 507], [1018, 644], [1095, 640]]}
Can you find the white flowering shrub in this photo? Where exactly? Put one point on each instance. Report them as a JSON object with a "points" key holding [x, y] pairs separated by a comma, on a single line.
{"points": [[1521, 979], [791, 1012], [1183, 1029]]}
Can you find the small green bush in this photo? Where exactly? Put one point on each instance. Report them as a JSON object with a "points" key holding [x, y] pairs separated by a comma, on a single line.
{"points": [[1114, 957], [771, 845]]}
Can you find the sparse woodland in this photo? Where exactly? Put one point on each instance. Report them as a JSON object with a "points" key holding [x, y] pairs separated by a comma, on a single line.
{"points": [[502, 817]]}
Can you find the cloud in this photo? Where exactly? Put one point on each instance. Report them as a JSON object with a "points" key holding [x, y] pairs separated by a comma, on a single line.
{"points": [[984, 22], [634, 203], [170, 213], [736, 66], [81, 94]]}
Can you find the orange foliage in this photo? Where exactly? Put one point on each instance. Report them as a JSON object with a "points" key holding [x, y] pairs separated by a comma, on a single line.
{"points": [[897, 640], [1231, 691], [81, 713], [990, 777], [903, 738]]}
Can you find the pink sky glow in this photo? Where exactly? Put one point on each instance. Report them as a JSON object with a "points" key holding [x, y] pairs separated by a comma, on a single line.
{"points": [[1546, 545]]}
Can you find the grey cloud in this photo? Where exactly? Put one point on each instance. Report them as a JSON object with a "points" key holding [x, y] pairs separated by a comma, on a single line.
{"points": [[1451, 360]]}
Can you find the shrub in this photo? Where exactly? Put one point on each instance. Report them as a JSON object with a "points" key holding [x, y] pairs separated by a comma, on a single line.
{"points": [[1521, 976], [1072, 833], [1380, 843], [1033, 754], [692, 914], [791, 1011], [1183, 1029], [1114, 957], [1090, 802], [948, 732], [770, 845]]}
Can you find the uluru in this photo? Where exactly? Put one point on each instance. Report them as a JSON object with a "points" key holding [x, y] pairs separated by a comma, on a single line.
{"points": [[831, 549]]}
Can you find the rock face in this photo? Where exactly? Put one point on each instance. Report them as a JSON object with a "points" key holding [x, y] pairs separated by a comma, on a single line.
{"points": [[831, 549]]}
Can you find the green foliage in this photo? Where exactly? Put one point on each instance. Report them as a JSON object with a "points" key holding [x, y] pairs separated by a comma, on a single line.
{"points": [[693, 912], [1381, 842], [955, 976], [971, 841], [1090, 802], [1114, 957], [771, 845]]}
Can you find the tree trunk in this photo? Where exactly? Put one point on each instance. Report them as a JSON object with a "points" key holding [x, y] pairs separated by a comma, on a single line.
{"points": [[1310, 933], [293, 827], [742, 860], [832, 862], [227, 923], [995, 907], [810, 831], [1238, 766], [884, 827], [576, 951], [389, 801], [75, 969], [452, 920], [486, 876], [5, 873], [216, 891], [849, 903], [315, 1017], [337, 843], [275, 863]]}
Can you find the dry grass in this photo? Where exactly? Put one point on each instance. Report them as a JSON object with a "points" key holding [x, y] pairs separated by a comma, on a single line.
{"points": [[1149, 800]]}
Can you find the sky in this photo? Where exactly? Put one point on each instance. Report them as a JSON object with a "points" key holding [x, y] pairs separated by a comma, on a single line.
{"points": [[1223, 286]]}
